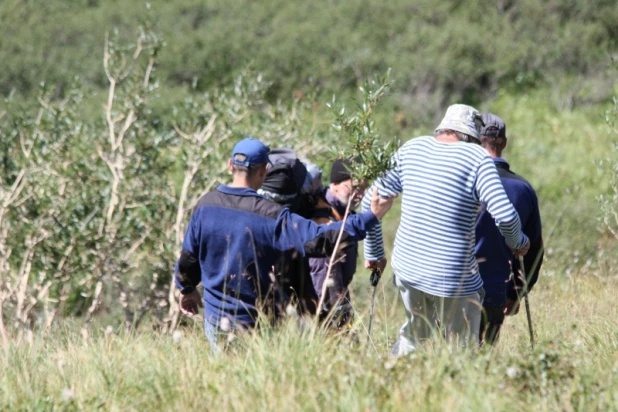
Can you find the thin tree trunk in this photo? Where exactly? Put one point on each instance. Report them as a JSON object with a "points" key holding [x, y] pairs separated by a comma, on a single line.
{"points": [[334, 255]]}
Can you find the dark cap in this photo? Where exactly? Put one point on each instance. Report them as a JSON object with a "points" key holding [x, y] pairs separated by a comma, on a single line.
{"points": [[494, 126], [340, 171], [254, 151]]}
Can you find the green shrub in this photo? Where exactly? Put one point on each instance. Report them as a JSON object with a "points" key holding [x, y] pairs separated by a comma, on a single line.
{"points": [[92, 213], [441, 52]]}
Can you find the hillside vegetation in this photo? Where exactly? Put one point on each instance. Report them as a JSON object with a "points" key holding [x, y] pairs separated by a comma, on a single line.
{"points": [[440, 52]]}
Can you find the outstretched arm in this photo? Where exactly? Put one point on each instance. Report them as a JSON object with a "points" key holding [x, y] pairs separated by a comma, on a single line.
{"points": [[293, 232]]}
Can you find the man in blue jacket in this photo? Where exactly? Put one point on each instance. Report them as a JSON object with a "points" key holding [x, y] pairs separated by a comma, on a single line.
{"points": [[495, 260], [235, 236]]}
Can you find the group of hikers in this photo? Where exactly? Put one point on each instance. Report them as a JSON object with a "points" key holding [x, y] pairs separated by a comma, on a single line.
{"points": [[264, 242]]}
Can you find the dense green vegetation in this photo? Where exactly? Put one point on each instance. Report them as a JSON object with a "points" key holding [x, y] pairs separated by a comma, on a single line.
{"points": [[105, 144], [439, 52]]}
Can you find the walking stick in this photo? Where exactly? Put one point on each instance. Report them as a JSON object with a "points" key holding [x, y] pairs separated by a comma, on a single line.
{"points": [[526, 300], [374, 280]]}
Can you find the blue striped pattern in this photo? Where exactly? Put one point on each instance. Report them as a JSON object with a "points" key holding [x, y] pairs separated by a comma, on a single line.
{"points": [[443, 187]]}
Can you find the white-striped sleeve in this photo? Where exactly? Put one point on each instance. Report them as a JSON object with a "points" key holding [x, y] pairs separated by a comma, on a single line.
{"points": [[490, 191], [389, 185], [374, 242]]}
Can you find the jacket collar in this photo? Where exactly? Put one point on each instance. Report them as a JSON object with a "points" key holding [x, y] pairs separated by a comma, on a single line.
{"points": [[501, 163], [238, 191]]}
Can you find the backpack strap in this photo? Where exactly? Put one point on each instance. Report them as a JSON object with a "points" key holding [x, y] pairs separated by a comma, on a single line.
{"points": [[336, 214], [323, 212]]}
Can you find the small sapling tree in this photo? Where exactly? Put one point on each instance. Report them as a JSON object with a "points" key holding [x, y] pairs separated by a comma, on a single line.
{"points": [[371, 153]]}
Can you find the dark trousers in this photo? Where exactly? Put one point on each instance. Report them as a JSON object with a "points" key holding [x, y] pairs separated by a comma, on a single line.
{"points": [[491, 322], [295, 279]]}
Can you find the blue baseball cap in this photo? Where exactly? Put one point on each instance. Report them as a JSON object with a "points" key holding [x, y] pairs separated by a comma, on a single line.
{"points": [[255, 152]]}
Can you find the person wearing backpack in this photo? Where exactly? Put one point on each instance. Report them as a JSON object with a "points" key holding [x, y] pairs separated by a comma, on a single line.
{"points": [[330, 208], [297, 186]]}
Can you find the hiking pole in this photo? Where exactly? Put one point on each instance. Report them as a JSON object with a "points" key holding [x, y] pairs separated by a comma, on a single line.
{"points": [[526, 300], [374, 280]]}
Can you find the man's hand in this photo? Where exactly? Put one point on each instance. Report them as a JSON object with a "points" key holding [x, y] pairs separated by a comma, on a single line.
{"points": [[191, 303], [511, 308], [521, 251], [376, 264], [380, 206], [377, 269]]}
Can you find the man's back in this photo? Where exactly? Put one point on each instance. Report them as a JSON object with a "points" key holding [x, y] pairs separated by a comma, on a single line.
{"points": [[232, 242], [443, 180], [493, 254], [442, 184], [233, 228], [434, 242]]}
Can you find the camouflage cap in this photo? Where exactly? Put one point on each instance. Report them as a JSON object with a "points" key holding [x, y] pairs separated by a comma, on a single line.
{"points": [[462, 118]]}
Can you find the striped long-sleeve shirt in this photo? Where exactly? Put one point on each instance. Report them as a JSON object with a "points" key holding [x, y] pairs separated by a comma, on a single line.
{"points": [[443, 187]]}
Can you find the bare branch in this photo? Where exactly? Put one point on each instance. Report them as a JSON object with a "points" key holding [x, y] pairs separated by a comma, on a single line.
{"points": [[180, 132], [130, 119], [110, 96], [95, 300], [16, 188], [136, 245], [148, 71], [333, 257]]}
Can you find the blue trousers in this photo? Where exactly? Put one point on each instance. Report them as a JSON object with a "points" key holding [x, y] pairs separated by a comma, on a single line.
{"points": [[212, 334]]}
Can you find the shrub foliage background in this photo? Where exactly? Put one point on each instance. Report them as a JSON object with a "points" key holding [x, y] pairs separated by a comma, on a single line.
{"points": [[93, 212], [439, 52]]}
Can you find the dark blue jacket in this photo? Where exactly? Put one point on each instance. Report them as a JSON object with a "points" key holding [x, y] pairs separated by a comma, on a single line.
{"points": [[233, 240], [492, 253]]}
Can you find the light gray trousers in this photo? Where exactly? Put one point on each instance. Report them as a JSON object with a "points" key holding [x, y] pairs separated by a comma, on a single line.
{"points": [[456, 319]]}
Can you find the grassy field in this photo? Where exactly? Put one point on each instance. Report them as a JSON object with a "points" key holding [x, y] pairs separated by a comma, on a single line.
{"points": [[573, 367]]}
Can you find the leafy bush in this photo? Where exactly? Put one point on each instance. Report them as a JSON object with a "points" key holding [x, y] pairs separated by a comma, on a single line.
{"points": [[92, 213], [442, 52]]}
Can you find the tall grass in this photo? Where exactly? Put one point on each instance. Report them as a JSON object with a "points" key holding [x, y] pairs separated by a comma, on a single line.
{"points": [[575, 365]]}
